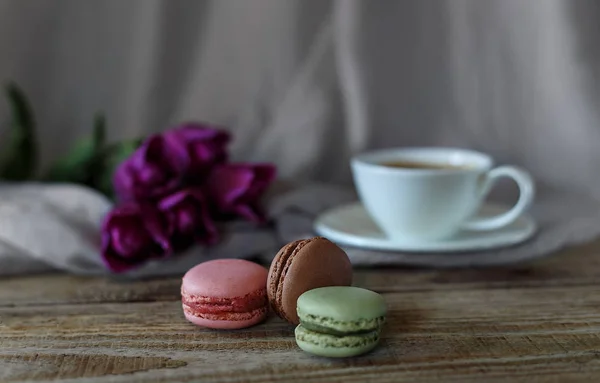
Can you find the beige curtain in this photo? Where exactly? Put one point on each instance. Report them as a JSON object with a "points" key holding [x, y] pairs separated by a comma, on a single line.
{"points": [[307, 83]]}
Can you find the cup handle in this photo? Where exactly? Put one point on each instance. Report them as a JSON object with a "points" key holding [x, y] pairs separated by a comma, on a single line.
{"points": [[526, 195]]}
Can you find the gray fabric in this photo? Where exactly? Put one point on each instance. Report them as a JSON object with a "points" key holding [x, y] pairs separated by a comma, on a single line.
{"points": [[56, 227], [307, 84]]}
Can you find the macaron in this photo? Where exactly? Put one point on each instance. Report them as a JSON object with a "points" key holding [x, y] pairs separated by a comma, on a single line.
{"points": [[339, 321], [225, 294], [305, 265]]}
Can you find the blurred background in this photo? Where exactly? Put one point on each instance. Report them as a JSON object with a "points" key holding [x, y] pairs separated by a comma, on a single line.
{"points": [[308, 83]]}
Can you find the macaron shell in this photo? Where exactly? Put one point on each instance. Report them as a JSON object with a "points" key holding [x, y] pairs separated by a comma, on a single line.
{"points": [[276, 269], [225, 278], [321, 345], [274, 281], [319, 263], [329, 352], [348, 307], [226, 325]]}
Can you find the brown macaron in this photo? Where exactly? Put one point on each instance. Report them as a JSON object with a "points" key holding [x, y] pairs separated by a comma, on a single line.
{"points": [[305, 265]]}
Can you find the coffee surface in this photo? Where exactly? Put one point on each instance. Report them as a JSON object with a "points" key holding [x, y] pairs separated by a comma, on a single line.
{"points": [[422, 165]]}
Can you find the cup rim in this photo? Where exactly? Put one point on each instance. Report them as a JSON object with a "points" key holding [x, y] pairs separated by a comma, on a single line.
{"points": [[372, 159]]}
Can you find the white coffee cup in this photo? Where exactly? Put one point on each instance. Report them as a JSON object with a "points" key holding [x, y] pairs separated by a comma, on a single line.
{"points": [[436, 200]]}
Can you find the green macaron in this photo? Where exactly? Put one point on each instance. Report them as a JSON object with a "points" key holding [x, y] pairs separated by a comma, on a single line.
{"points": [[339, 321]]}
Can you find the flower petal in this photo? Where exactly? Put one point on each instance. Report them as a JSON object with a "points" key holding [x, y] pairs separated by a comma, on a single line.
{"points": [[129, 237], [264, 174], [189, 218], [197, 131], [157, 228], [156, 168], [251, 214], [230, 182], [123, 181]]}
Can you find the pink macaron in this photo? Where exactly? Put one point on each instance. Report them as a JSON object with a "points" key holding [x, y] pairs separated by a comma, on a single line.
{"points": [[225, 294]]}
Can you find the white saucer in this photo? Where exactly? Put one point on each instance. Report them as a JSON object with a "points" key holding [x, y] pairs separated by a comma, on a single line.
{"points": [[351, 225]]}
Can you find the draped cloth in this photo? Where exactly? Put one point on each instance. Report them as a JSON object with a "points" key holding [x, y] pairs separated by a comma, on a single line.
{"points": [[307, 84], [55, 228]]}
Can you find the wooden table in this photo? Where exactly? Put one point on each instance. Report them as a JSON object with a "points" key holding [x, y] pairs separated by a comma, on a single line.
{"points": [[536, 322]]}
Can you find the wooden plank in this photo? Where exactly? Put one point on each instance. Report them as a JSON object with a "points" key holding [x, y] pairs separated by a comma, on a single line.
{"points": [[578, 265], [495, 334], [124, 369], [532, 322], [62, 289]]}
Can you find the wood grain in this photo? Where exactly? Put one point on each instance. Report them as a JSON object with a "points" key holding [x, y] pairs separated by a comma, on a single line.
{"points": [[537, 322]]}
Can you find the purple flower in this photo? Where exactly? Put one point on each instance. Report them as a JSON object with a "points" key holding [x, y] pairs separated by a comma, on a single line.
{"points": [[154, 170], [131, 235], [236, 189], [206, 146], [188, 219]]}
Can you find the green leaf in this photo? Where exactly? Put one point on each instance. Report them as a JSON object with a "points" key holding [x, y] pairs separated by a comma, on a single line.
{"points": [[80, 163], [18, 161], [99, 131], [112, 157]]}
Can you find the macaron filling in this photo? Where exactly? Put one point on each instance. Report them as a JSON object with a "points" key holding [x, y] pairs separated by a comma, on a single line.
{"points": [[324, 340], [226, 316], [236, 308], [248, 302], [338, 327]]}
